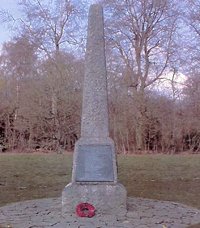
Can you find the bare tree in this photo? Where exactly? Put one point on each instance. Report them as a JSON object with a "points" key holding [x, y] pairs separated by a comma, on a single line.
{"points": [[50, 25], [191, 112], [141, 32], [17, 63]]}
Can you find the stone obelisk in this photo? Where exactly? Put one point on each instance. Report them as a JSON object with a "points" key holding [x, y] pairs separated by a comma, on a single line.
{"points": [[94, 175]]}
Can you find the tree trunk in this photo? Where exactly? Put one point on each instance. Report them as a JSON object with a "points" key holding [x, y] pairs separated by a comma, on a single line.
{"points": [[140, 119]]}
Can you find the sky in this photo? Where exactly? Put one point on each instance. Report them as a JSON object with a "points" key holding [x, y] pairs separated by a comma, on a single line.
{"points": [[11, 7]]}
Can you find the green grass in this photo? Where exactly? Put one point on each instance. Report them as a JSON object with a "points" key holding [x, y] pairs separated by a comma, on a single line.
{"points": [[174, 178], [31, 176]]}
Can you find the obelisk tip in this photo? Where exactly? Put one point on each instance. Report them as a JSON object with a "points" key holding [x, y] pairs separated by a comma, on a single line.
{"points": [[95, 6]]}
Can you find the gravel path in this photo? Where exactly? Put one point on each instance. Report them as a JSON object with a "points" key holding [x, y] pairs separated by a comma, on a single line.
{"points": [[142, 213]]}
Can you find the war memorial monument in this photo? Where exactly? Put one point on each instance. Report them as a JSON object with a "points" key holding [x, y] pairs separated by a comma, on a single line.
{"points": [[94, 175]]}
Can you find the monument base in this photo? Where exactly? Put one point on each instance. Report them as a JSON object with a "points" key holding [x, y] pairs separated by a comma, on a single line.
{"points": [[108, 199]]}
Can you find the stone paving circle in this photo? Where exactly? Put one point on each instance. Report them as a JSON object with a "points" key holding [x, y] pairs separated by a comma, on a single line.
{"points": [[142, 213]]}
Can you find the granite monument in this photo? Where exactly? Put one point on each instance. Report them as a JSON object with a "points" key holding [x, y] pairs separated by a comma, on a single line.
{"points": [[94, 175]]}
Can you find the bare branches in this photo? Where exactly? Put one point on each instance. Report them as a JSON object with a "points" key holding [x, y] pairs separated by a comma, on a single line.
{"points": [[142, 34], [145, 28], [6, 17], [49, 24]]}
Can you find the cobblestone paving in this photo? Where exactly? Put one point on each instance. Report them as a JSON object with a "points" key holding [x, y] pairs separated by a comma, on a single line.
{"points": [[142, 213]]}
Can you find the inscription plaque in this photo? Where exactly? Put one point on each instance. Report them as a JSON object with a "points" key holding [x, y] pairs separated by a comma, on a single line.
{"points": [[94, 163]]}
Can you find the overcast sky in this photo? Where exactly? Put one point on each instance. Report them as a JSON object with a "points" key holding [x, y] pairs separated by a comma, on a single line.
{"points": [[11, 7]]}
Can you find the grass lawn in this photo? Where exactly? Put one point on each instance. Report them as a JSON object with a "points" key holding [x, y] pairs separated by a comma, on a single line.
{"points": [[31, 176]]}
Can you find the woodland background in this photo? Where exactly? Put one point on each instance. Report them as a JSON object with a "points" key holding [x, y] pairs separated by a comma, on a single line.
{"points": [[153, 64]]}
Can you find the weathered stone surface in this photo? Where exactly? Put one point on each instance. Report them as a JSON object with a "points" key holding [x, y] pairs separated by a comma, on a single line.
{"points": [[46, 213], [94, 175], [108, 199], [94, 123]]}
